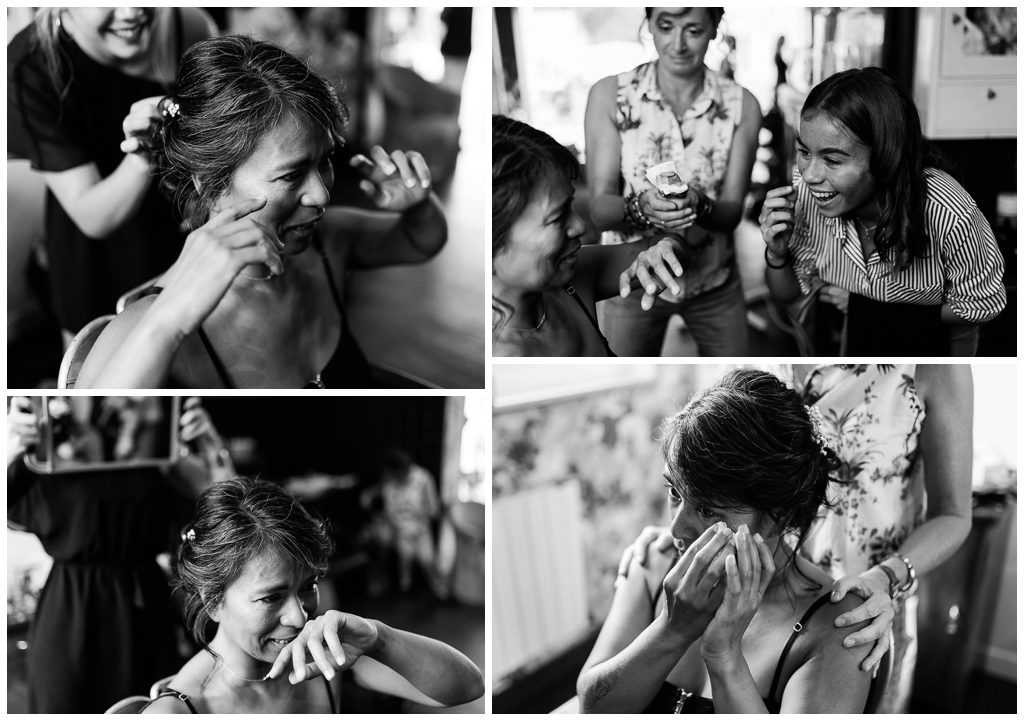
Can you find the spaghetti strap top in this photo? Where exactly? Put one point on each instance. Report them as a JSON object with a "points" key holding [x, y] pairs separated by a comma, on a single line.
{"points": [[672, 699], [168, 691], [347, 367], [572, 293]]}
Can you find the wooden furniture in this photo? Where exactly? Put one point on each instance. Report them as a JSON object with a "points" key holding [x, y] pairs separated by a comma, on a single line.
{"points": [[964, 88]]}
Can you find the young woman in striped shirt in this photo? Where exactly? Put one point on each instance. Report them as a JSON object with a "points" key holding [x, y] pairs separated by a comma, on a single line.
{"points": [[873, 223]]}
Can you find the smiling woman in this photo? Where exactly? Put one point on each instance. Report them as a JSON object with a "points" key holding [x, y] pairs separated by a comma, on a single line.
{"points": [[545, 283], [250, 562], [244, 148]]}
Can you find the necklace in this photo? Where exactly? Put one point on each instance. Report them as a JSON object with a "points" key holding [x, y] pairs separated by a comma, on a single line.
{"points": [[543, 317], [243, 678]]}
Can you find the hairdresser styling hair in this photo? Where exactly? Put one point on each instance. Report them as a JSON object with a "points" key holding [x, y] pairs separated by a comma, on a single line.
{"points": [[82, 87], [255, 299]]}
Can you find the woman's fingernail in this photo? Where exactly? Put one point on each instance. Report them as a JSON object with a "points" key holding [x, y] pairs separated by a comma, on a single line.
{"points": [[840, 621], [424, 183], [266, 677], [410, 183], [389, 168], [848, 642], [340, 660], [758, 537]]}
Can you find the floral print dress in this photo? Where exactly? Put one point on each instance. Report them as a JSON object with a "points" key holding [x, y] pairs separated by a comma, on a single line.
{"points": [[872, 418], [699, 142]]}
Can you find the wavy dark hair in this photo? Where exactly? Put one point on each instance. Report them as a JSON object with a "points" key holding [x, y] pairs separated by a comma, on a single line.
{"points": [[714, 13], [236, 521], [880, 113], [231, 91], [747, 443], [521, 158]]}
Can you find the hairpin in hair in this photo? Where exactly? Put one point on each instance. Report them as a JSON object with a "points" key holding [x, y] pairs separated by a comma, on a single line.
{"points": [[816, 428], [171, 109], [189, 536]]}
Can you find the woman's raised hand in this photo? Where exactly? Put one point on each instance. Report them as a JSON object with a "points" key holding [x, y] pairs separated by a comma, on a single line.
{"points": [[346, 637], [692, 589], [140, 125], [394, 182], [674, 214], [777, 217], [874, 586], [747, 575], [22, 427], [655, 269], [212, 257]]}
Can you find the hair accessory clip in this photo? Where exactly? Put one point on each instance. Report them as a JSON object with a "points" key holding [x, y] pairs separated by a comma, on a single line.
{"points": [[171, 109], [816, 428], [189, 536]]}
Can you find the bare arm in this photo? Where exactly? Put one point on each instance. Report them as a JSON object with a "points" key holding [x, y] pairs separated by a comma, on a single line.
{"points": [[377, 239], [635, 651], [99, 206], [947, 445], [601, 265], [420, 669], [603, 157]]}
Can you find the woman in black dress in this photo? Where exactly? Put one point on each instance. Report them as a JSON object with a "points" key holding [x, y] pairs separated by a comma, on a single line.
{"points": [[103, 628], [81, 82]]}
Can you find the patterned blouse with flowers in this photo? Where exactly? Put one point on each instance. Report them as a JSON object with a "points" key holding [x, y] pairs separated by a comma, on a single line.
{"points": [[699, 143], [872, 418]]}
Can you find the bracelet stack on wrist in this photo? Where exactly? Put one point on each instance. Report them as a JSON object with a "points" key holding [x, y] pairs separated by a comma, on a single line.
{"points": [[767, 260], [894, 582], [633, 216], [704, 207]]}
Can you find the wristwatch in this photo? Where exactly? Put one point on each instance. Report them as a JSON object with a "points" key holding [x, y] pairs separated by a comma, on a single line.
{"points": [[703, 206]]}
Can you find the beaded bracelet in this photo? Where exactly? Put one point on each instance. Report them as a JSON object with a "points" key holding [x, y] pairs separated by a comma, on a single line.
{"points": [[785, 261], [634, 216], [911, 573]]}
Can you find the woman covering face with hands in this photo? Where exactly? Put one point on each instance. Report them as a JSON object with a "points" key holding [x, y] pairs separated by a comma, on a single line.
{"points": [[733, 619], [255, 299], [250, 563]]}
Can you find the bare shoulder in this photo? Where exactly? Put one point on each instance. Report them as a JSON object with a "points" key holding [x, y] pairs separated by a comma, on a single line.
{"points": [[751, 109], [603, 93], [950, 380], [827, 639], [117, 330]]}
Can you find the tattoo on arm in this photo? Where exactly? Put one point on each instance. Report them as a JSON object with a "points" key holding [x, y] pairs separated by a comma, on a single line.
{"points": [[600, 687]]}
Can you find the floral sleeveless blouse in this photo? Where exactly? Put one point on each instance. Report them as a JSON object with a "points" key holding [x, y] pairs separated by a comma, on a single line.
{"points": [[699, 143], [872, 418]]}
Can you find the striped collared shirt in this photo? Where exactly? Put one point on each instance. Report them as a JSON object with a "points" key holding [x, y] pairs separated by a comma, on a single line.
{"points": [[964, 267]]}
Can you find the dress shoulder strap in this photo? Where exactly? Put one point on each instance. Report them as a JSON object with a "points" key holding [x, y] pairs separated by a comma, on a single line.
{"points": [[575, 296], [214, 358], [792, 639], [318, 244], [178, 695]]}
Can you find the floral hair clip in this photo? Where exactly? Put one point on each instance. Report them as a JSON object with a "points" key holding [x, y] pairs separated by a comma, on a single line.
{"points": [[189, 536], [169, 108], [816, 428]]}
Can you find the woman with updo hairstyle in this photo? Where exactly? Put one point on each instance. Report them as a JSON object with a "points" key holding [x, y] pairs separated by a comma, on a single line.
{"points": [[249, 564], [710, 627], [255, 300]]}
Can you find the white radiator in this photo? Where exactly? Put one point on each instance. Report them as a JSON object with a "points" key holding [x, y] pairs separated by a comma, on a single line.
{"points": [[539, 586]]}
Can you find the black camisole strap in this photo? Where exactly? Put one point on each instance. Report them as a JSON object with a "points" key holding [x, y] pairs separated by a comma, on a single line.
{"points": [[572, 292], [178, 695], [330, 696], [318, 244], [792, 639], [214, 358]]}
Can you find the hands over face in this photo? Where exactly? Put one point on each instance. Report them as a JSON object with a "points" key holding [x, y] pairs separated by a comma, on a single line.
{"points": [[345, 636], [692, 589], [748, 572]]}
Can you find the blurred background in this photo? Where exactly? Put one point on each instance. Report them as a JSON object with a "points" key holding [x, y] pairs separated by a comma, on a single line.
{"points": [[329, 451], [403, 73], [545, 60], [577, 466]]}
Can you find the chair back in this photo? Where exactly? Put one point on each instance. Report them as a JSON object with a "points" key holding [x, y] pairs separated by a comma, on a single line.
{"points": [[880, 683], [132, 704], [78, 350], [159, 686], [134, 294]]}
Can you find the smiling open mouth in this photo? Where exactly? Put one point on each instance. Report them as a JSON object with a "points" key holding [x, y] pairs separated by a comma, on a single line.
{"points": [[281, 642], [823, 197], [302, 229]]}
